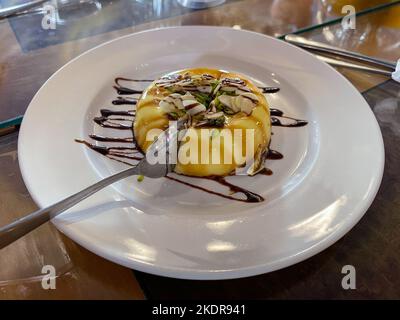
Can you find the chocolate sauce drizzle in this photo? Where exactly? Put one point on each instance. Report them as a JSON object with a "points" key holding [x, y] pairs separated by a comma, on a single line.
{"points": [[119, 123], [122, 152], [123, 100], [108, 112], [250, 196], [276, 122], [273, 155], [266, 172], [122, 90], [96, 137], [106, 122], [123, 120], [269, 89]]}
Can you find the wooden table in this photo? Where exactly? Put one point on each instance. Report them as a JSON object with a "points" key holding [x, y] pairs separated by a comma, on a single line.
{"points": [[29, 55]]}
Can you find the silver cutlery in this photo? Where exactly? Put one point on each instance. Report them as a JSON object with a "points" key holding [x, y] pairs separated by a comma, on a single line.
{"points": [[324, 48], [12, 10], [21, 227], [345, 64]]}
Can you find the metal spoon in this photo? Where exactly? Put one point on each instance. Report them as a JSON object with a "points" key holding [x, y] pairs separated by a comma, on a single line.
{"points": [[21, 227], [325, 48], [345, 64]]}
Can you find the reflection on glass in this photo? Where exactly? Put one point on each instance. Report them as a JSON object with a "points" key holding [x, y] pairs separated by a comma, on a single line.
{"points": [[298, 13], [70, 10], [333, 8], [376, 34]]}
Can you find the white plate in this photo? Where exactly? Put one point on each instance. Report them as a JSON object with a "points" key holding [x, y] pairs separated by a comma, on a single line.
{"points": [[329, 176]]}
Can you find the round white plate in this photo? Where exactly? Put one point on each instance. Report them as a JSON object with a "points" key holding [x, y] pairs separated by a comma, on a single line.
{"points": [[328, 178]]}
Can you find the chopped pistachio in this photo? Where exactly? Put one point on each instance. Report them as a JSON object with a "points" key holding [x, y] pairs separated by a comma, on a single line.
{"points": [[217, 122]]}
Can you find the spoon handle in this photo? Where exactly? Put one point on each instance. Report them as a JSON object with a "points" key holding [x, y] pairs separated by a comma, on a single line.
{"points": [[9, 11], [339, 63], [21, 227], [322, 47]]}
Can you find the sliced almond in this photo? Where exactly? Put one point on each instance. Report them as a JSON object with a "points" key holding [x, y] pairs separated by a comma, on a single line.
{"points": [[187, 96], [228, 89], [207, 76], [200, 123], [179, 104], [217, 88], [242, 89], [199, 108], [213, 115], [250, 96], [187, 103], [233, 81], [258, 162], [229, 102], [226, 100], [244, 104]]}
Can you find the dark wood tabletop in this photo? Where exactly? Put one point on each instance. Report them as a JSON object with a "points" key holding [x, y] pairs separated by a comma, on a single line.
{"points": [[29, 55]]}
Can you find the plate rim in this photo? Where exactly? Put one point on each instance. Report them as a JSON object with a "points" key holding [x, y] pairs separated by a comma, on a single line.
{"points": [[183, 273]]}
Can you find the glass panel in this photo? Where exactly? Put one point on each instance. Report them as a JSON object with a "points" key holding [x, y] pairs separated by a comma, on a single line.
{"points": [[31, 53], [376, 34]]}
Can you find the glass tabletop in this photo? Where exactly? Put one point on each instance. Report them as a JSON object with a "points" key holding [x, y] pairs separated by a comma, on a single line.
{"points": [[37, 43], [377, 34], [31, 54]]}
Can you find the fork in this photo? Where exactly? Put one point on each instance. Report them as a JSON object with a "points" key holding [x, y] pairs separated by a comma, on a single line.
{"points": [[21, 227]]}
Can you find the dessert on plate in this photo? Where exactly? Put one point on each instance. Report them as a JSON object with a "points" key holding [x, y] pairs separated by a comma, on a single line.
{"points": [[211, 99]]}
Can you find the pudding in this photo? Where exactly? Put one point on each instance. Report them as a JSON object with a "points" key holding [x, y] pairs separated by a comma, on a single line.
{"points": [[214, 105]]}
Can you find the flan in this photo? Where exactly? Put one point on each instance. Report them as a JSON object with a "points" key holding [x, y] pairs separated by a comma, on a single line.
{"points": [[212, 103]]}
